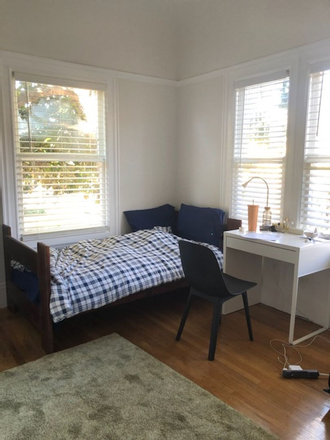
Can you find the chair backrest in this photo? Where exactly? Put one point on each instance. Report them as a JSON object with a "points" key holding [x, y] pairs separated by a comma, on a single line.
{"points": [[201, 269]]}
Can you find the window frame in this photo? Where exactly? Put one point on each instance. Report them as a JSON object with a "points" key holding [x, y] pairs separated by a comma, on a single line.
{"points": [[254, 73], [72, 75], [240, 93], [312, 58], [301, 63], [311, 66]]}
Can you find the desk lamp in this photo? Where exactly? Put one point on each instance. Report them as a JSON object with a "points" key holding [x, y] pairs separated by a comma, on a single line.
{"points": [[266, 215]]}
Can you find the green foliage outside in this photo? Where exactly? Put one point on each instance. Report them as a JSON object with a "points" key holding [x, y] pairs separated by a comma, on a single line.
{"points": [[49, 119]]}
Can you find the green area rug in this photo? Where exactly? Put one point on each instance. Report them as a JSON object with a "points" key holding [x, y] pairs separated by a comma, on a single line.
{"points": [[111, 389]]}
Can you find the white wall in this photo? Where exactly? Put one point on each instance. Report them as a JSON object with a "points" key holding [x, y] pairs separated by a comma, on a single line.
{"points": [[168, 153], [143, 123], [137, 36], [219, 33], [313, 300], [205, 151], [162, 38], [200, 143], [147, 145]]}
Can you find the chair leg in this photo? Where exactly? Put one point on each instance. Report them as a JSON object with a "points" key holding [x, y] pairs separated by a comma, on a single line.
{"points": [[184, 316], [247, 314], [217, 310]]}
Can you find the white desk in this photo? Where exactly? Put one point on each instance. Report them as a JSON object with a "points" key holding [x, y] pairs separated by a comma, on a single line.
{"points": [[307, 258]]}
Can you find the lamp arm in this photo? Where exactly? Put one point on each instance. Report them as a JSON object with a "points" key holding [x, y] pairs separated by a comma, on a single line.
{"points": [[257, 177]]}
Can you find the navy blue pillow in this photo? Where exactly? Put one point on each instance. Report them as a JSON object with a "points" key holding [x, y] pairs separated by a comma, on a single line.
{"points": [[201, 224], [149, 218], [28, 282]]}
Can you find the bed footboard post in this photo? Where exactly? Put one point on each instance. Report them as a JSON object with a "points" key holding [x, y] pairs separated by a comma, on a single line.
{"points": [[233, 223], [46, 322], [6, 232]]}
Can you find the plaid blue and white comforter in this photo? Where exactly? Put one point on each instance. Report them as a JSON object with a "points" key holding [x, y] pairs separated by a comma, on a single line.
{"points": [[93, 273]]}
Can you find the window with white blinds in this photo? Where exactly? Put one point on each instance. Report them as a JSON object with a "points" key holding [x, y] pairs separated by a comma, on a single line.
{"points": [[260, 138], [60, 158], [315, 200]]}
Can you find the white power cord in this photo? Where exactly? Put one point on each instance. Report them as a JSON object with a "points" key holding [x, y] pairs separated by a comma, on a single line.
{"points": [[284, 354]]}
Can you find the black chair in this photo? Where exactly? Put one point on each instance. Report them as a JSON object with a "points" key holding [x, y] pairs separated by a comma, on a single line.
{"points": [[203, 273]]}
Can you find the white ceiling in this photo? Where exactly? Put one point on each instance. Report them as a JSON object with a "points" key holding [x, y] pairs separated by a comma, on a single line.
{"points": [[172, 39]]}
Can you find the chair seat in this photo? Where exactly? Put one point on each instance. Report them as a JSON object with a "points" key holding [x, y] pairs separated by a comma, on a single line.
{"points": [[236, 286]]}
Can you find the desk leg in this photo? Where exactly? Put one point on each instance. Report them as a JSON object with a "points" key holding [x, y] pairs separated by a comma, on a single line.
{"points": [[293, 312], [293, 303]]}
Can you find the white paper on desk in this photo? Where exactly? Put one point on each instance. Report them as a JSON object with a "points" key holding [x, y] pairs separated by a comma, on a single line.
{"points": [[324, 236], [267, 236], [320, 239]]}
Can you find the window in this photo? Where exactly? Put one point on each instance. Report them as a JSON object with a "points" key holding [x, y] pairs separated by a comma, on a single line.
{"points": [[60, 158], [315, 200], [260, 136]]}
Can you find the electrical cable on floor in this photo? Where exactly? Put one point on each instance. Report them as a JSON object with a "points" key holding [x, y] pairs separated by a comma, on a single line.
{"points": [[285, 346]]}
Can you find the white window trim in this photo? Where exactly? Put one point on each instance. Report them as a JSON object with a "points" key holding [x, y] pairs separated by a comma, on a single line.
{"points": [[255, 73], [77, 74], [310, 61], [300, 62], [311, 65], [242, 163]]}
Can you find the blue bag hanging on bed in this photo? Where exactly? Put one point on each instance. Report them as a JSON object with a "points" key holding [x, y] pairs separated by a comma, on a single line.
{"points": [[201, 224]]}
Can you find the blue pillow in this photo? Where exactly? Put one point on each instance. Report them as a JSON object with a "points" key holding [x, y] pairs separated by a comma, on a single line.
{"points": [[28, 282], [201, 224], [149, 218]]}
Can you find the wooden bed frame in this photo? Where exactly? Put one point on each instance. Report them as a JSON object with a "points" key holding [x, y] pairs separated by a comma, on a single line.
{"points": [[38, 262]]}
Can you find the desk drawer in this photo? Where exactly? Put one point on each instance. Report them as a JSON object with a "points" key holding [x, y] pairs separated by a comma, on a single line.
{"points": [[263, 249]]}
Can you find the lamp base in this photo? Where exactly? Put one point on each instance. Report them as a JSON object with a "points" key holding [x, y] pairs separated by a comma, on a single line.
{"points": [[265, 228]]}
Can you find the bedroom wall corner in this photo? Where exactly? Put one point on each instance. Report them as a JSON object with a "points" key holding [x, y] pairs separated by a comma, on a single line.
{"points": [[147, 122], [200, 142], [3, 300]]}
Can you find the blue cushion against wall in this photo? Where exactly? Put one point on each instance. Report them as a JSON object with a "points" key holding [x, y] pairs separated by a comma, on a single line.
{"points": [[28, 282], [201, 224], [149, 218]]}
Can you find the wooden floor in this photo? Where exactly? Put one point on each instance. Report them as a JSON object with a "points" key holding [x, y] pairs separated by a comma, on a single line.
{"points": [[245, 375]]}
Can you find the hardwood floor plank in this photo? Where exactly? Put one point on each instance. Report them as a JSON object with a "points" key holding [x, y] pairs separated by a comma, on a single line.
{"points": [[244, 374]]}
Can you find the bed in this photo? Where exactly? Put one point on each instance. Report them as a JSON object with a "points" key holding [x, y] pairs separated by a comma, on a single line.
{"points": [[45, 267]]}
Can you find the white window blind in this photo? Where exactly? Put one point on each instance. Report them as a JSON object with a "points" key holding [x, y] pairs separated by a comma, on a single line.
{"points": [[260, 137], [60, 158], [315, 200]]}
